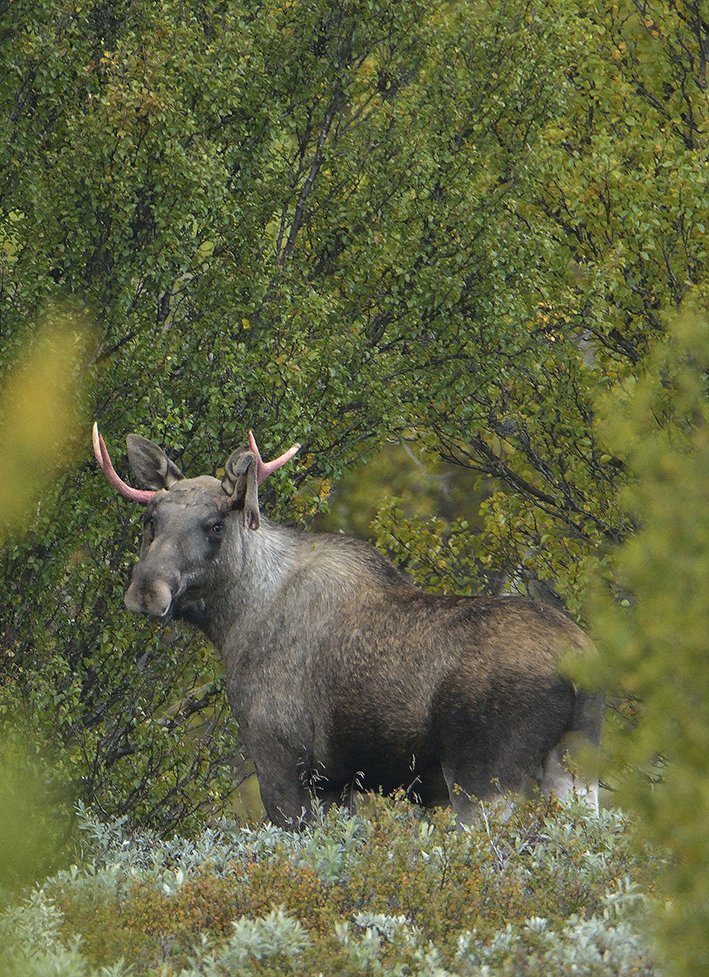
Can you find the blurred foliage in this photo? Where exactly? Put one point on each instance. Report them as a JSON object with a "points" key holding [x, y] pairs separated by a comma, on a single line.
{"points": [[653, 622], [551, 891], [416, 476], [40, 428], [39, 435], [35, 821]]}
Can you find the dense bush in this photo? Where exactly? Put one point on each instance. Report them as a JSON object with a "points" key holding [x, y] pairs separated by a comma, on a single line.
{"points": [[551, 891]]}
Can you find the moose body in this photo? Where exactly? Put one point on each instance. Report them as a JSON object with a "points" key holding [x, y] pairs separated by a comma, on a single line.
{"points": [[341, 674]]}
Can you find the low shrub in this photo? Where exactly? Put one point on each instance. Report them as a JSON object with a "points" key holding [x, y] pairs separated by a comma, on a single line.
{"points": [[552, 890]]}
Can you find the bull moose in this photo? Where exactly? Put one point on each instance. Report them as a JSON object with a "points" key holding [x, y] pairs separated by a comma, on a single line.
{"points": [[340, 672]]}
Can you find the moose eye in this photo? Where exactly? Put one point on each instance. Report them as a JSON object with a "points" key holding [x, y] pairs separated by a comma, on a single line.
{"points": [[217, 529]]}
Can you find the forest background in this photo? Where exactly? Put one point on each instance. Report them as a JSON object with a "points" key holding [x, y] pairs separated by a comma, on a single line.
{"points": [[461, 227]]}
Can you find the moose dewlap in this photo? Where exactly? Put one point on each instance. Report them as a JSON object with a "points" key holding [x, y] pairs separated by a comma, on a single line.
{"points": [[341, 674]]}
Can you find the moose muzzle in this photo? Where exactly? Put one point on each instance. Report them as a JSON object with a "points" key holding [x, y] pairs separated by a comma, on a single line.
{"points": [[149, 594]]}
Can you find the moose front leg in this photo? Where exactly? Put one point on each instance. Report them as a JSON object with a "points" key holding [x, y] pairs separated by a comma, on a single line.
{"points": [[285, 796]]}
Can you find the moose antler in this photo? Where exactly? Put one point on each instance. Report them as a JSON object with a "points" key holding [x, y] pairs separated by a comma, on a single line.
{"points": [[102, 457], [264, 469]]}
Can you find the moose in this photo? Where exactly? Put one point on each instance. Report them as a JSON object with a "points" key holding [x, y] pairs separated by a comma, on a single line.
{"points": [[343, 675]]}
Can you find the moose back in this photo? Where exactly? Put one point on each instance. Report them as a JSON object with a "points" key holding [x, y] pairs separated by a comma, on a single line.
{"points": [[341, 674]]}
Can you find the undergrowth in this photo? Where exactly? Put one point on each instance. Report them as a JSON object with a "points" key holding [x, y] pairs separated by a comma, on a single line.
{"points": [[553, 890]]}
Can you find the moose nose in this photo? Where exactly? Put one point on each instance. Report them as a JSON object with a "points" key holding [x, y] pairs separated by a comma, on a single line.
{"points": [[153, 597]]}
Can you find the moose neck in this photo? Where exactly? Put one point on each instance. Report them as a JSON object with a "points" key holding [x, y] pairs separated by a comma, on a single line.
{"points": [[272, 571], [253, 568]]}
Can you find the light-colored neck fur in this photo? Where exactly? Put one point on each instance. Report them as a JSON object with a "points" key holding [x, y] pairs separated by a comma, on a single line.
{"points": [[274, 566]]}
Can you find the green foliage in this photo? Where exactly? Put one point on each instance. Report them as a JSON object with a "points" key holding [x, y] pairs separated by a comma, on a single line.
{"points": [[337, 223], [615, 190], [30, 940], [424, 485], [285, 217], [438, 555], [550, 891], [654, 645]]}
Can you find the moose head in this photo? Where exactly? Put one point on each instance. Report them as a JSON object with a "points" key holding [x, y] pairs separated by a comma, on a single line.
{"points": [[175, 566]]}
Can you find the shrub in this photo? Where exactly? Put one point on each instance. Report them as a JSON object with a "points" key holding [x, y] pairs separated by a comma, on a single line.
{"points": [[552, 890]]}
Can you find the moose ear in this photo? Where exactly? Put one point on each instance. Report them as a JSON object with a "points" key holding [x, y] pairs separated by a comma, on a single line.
{"points": [[240, 484], [150, 463]]}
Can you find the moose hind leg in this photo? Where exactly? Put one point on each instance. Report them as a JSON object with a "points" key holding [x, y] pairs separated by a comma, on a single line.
{"points": [[560, 777], [496, 760], [561, 774], [468, 791]]}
